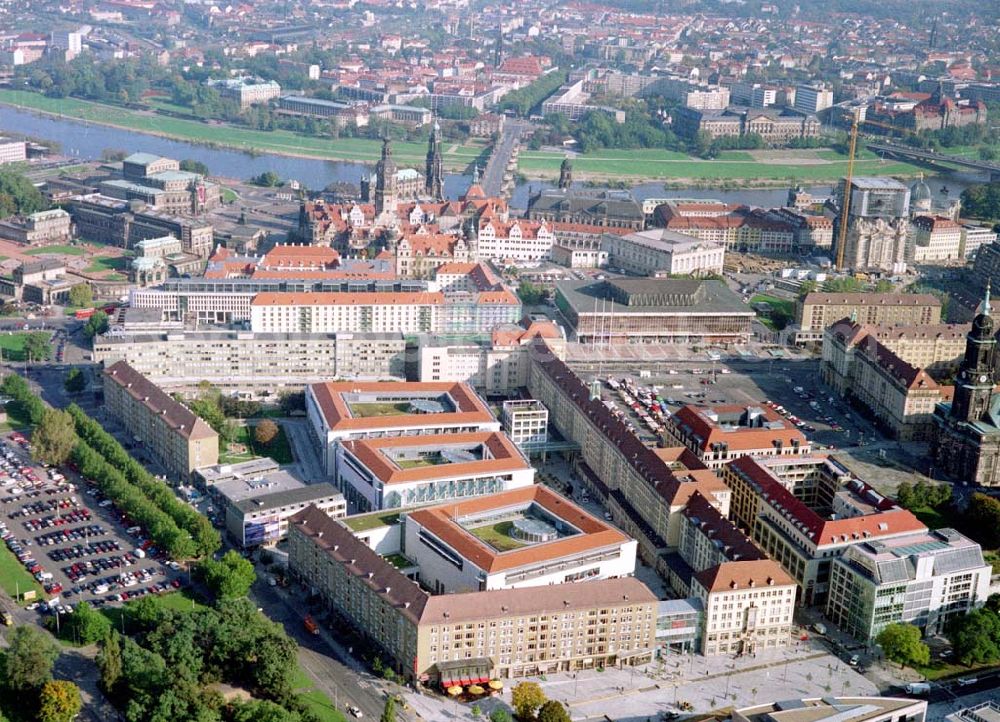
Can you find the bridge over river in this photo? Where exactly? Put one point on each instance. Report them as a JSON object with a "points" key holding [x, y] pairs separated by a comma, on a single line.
{"points": [[930, 156]]}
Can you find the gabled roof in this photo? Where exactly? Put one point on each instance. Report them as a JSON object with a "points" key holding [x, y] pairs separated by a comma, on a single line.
{"points": [[696, 423], [731, 576]]}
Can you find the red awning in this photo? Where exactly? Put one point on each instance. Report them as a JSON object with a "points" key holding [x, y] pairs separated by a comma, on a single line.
{"points": [[448, 682], [465, 682], [481, 680]]}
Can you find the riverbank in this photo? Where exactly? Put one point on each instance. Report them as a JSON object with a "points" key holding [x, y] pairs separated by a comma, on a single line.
{"points": [[737, 169]]}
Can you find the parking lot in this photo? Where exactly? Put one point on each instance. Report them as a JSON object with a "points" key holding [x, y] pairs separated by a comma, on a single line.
{"points": [[75, 543]]}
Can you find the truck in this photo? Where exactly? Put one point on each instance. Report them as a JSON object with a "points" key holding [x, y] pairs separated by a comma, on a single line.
{"points": [[310, 625], [918, 688]]}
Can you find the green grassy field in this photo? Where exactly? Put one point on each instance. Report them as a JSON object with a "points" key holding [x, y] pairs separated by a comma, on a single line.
{"points": [[939, 669], [64, 250], [498, 536], [14, 578], [102, 264], [364, 522], [279, 449], [277, 141], [12, 344], [367, 410]]}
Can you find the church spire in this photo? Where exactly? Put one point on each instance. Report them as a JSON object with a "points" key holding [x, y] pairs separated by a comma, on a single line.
{"points": [[985, 307], [434, 171]]}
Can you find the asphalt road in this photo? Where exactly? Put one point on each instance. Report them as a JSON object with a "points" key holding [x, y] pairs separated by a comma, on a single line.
{"points": [[492, 181]]}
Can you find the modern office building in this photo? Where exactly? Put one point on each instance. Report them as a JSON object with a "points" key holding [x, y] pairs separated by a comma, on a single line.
{"points": [[654, 311], [471, 637], [257, 499], [925, 579], [527, 537], [526, 422], [168, 430], [805, 512], [719, 434], [811, 99], [661, 251], [403, 471], [350, 410]]}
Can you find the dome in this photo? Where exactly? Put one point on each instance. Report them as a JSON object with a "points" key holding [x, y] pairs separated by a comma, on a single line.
{"points": [[920, 194]]}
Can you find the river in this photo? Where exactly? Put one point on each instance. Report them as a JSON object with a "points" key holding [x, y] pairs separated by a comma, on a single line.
{"points": [[88, 141]]}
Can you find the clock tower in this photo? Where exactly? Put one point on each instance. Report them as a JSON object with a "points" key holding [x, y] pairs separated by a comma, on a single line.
{"points": [[974, 384]]}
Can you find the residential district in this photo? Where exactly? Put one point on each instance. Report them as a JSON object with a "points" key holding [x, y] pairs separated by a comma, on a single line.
{"points": [[479, 429]]}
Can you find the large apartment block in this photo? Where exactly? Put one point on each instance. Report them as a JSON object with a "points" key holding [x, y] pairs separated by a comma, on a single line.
{"points": [[818, 310], [175, 436], [446, 639]]}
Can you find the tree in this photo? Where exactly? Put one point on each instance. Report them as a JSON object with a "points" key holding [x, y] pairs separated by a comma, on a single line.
{"points": [[265, 432], [27, 663], [109, 660], [194, 166], [59, 701], [19, 195], [389, 711], [982, 520], [87, 625], [527, 698], [847, 284], [263, 711], [54, 438], [96, 324], [76, 381], [268, 179], [553, 711], [975, 637], [81, 295], [806, 287], [37, 347], [530, 293], [901, 643], [230, 577], [883, 285]]}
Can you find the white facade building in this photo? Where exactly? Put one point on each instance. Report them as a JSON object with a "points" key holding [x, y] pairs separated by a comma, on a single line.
{"points": [[518, 240], [812, 99], [665, 252], [526, 421]]}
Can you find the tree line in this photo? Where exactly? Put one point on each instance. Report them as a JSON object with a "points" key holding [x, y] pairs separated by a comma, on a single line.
{"points": [[61, 436]]}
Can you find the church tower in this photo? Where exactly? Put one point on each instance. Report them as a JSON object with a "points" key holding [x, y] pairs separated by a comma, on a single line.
{"points": [[385, 183], [974, 384], [498, 59], [565, 174], [434, 176]]}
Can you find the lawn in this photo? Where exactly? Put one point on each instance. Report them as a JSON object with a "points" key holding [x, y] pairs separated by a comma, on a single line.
{"points": [[940, 669], [399, 561], [14, 578], [319, 704], [181, 601], [279, 449], [364, 522], [102, 264], [780, 305], [61, 250], [423, 460], [229, 195], [498, 536], [12, 344], [366, 410], [223, 135], [16, 417], [933, 518]]}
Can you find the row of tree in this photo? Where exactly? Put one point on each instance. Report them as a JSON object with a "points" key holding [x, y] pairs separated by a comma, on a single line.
{"points": [[167, 671], [975, 637], [19, 195], [62, 435], [523, 100]]}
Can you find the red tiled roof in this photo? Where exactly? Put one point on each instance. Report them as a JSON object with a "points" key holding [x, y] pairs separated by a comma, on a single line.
{"points": [[694, 421], [744, 575]]}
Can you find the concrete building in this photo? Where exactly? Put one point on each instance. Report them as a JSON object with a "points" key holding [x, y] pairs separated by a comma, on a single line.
{"points": [[925, 579], [719, 434], [13, 151], [818, 310], [253, 362], [44, 227], [811, 99], [975, 237], [834, 709], [654, 311], [347, 410], [169, 431], [748, 607], [461, 547], [578, 257], [416, 632], [661, 251], [497, 365], [258, 498], [403, 471], [526, 422], [805, 512]]}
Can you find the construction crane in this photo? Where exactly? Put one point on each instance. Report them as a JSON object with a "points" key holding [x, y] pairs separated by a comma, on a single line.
{"points": [[846, 202]]}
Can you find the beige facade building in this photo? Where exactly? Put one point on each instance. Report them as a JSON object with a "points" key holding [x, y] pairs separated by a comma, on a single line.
{"points": [[174, 435], [12, 151], [471, 637], [255, 362], [937, 240], [748, 606], [818, 310], [52, 226], [661, 251]]}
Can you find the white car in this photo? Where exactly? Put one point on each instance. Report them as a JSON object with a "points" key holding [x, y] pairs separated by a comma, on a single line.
{"points": [[354, 711]]}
